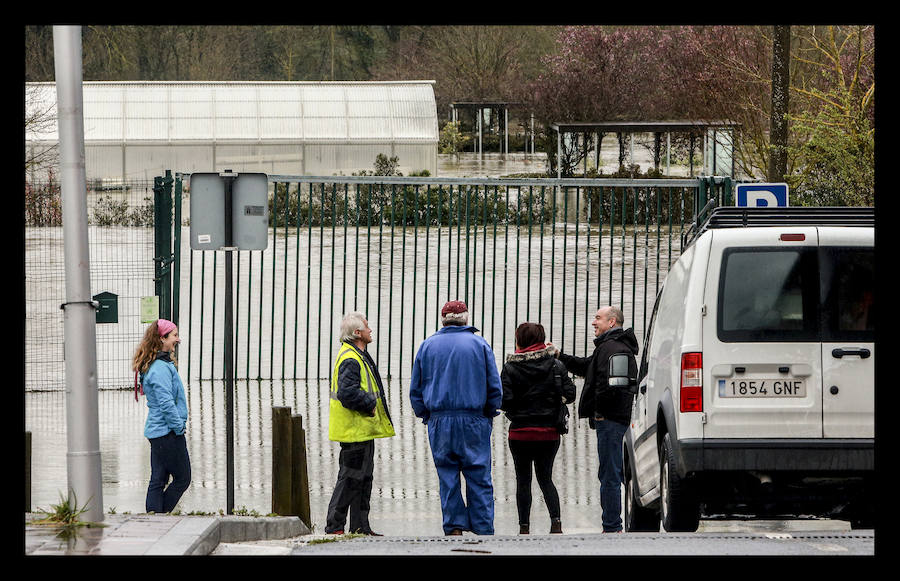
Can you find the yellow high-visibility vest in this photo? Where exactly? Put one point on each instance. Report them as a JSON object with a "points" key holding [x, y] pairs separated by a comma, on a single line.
{"points": [[351, 426]]}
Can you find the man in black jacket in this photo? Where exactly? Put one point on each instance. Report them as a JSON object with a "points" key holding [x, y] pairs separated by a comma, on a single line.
{"points": [[608, 408]]}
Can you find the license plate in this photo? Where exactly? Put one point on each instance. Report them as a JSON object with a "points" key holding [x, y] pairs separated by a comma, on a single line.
{"points": [[762, 388]]}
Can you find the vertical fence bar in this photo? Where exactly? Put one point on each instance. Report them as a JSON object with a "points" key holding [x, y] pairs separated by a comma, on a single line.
{"points": [[380, 266], [575, 270], [587, 263], [505, 269], [437, 288], [612, 229], [427, 255], [333, 250], [308, 280], [541, 253], [496, 208], [296, 275], [553, 260], [518, 254], [412, 334], [249, 286], [484, 260], [528, 275], [565, 249], [634, 258], [321, 271], [391, 279]]}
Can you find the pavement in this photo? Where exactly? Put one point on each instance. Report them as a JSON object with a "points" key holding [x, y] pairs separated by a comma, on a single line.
{"points": [[152, 534], [192, 535]]}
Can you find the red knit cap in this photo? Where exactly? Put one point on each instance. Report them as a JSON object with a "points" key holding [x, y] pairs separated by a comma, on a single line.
{"points": [[454, 307]]}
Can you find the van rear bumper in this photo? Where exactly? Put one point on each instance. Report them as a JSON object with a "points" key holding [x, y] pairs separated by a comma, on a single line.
{"points": [[827, 455]]}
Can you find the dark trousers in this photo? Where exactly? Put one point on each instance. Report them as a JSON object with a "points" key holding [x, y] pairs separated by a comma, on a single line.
{"points": [[353, 489], [168, 458], [610, 472], [541, 455]]}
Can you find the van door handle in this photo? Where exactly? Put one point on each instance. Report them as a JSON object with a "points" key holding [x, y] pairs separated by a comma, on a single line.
{"points": [[863, 353]]}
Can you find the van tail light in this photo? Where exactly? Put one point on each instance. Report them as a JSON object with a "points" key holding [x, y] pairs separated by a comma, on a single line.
{"points": [[691, 382]]}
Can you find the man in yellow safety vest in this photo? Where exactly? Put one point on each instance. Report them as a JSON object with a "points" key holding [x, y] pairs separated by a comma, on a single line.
{"points": [[358, 413]]}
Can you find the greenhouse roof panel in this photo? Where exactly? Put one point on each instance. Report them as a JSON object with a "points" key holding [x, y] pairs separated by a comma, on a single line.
{"points": [[247, 111]]}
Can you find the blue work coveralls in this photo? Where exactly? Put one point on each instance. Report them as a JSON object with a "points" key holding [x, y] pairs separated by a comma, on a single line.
{"points": [[456, 390]]}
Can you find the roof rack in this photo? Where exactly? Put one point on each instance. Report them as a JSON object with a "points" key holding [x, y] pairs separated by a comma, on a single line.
{"points": [[739, 217]]}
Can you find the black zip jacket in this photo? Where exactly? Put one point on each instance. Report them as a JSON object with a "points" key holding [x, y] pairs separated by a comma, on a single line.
{"points": [[531, 397], [597, 397]]}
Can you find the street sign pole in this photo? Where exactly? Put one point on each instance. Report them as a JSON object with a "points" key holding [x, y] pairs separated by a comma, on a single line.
{"points": [[229, 347], [217, 226]]}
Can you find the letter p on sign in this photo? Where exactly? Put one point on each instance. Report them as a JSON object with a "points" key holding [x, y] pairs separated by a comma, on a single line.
{"points": [[761, 195]]}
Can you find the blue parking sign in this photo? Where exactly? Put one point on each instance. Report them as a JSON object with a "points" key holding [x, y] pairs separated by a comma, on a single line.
{"points": [[761, 195]]}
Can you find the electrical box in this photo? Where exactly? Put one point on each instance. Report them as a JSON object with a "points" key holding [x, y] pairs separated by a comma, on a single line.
{"points": [[108, 311], [249, 211]]}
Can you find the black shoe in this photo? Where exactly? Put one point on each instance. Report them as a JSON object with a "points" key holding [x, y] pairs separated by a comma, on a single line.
{"points": [[523, 529], [454, 533], [555, 526], [369, 533]]}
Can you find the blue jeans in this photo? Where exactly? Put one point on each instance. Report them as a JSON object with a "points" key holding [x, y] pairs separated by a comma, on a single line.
{"points": [[609, 450], [168, 457]]}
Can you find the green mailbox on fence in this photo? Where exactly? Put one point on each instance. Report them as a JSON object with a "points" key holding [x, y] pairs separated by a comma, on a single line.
{"points": [[108, 309]]}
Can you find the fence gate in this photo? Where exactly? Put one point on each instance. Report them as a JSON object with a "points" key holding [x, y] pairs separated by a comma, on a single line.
{"points": [[544, 250], [131, 256]]}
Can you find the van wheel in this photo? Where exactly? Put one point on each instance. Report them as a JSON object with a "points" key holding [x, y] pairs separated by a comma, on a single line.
{"points": [[679, 508], [637, 518]]}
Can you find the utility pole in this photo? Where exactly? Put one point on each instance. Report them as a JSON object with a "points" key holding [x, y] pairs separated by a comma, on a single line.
{"points": [[781, 88], [82, 418]]}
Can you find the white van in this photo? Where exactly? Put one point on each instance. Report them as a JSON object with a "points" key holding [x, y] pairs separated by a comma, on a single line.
{"points": [[757, 374]]}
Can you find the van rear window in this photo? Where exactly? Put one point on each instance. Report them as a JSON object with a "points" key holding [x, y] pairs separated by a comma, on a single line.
{"points": [[848, 293], [768, 295]]}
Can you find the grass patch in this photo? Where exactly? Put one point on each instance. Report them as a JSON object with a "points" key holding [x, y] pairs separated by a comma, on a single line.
{"points": [[336, 538]]}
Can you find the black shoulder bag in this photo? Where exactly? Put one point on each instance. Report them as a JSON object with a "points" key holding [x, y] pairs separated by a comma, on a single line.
{"points": [[562, 419]]}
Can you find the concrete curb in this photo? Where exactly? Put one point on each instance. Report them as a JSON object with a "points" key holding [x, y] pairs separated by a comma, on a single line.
{"points": [[163, 535]]}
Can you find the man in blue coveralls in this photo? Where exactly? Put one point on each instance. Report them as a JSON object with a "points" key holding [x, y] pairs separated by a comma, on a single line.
{"points": [[455, 389]]}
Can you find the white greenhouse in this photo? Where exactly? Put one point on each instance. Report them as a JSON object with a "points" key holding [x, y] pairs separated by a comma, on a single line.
{"points": [[137, 130]]}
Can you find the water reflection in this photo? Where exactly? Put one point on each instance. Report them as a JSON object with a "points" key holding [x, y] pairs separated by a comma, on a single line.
{"points": [[405, 494]]}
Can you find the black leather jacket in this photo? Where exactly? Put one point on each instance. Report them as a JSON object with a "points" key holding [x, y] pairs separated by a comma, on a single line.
{"points": [[531, 397], [597, 397]]}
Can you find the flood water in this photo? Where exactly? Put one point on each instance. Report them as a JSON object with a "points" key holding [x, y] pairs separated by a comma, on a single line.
{"points": [[405, 497]]}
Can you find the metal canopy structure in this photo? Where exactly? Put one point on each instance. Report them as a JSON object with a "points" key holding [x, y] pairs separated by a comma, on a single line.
{"points": [[477, 107], [693, 127]]}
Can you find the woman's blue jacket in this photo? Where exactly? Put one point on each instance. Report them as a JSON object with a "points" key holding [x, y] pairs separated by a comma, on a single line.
{"points": [[166, 401]]}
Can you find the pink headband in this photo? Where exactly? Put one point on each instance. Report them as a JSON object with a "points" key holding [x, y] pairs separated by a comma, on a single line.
{"points": [[165, 327]]}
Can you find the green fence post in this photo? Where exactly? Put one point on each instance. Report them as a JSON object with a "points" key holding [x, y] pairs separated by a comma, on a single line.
{"points": [[176, 257], [162, 205]]}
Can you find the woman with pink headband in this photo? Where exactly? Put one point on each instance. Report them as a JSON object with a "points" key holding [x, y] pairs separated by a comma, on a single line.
{"points": [[154, 367]]}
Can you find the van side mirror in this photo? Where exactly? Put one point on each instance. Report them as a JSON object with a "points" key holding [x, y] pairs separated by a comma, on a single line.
{"points": [[619, 373]]}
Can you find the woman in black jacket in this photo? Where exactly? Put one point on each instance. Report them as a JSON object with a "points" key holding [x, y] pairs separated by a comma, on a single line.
{"points": [[536, 388]]}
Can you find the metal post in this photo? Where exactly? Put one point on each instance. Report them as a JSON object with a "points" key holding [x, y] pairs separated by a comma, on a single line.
{"points": [[176, 257], [229, 349], [83, 465]]}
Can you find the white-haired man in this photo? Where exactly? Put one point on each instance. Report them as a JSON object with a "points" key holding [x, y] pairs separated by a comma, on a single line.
{"points": [[358, 414], [455, 388]]}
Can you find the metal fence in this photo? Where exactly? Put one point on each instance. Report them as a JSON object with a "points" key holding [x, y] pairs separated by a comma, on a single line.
{"points": [[120, 236], [544, 250]]}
